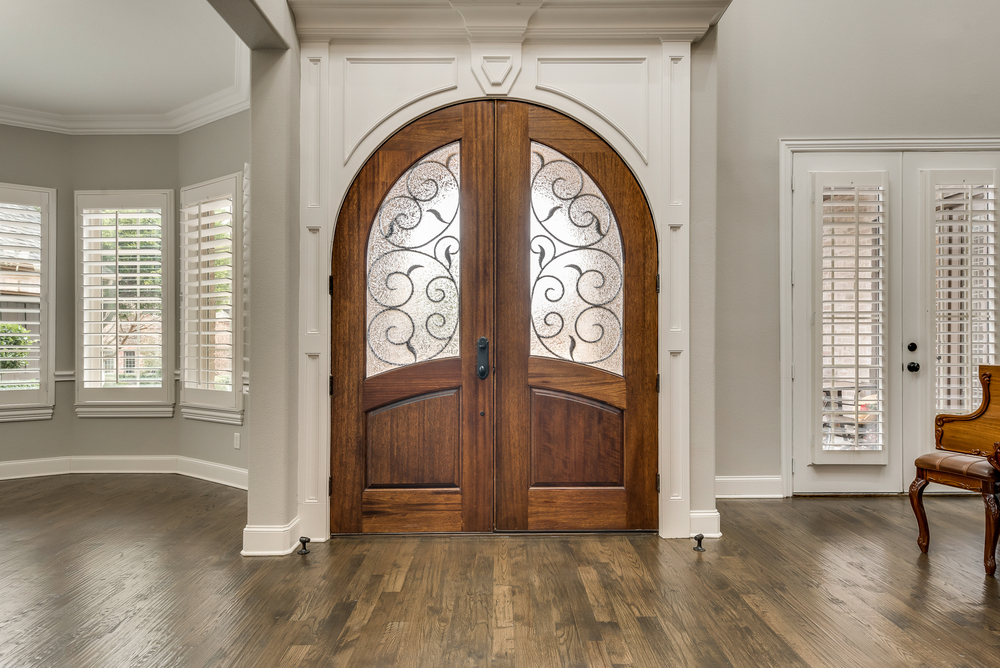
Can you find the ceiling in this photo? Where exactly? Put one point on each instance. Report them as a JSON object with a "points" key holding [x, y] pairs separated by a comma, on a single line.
{"points": [[118, 66]]}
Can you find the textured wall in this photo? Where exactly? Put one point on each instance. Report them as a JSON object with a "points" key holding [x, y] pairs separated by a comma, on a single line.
{"points": [[68, 163], [819, 69]]}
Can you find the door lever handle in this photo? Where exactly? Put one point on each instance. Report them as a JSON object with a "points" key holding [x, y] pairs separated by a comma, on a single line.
{"points": [[483, 358]]}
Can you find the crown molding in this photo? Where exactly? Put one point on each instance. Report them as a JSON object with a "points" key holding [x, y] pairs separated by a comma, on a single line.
{"points": [[228, 101], [505, 20]]}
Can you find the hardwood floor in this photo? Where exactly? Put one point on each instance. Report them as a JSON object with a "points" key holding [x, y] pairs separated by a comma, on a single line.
{"points": [[144, 570]]}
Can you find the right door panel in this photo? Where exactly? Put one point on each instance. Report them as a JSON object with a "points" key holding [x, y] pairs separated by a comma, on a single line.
{"points": [[576, 331]]}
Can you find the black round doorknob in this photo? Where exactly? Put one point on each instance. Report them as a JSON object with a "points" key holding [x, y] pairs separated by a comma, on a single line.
{"points": [[911, 347], [913, 366]]}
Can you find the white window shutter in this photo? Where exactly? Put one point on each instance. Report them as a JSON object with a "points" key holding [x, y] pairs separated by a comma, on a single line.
{"points": [[125, 354], [961, 205], [27, 305], [850, 229], [212, 300]]}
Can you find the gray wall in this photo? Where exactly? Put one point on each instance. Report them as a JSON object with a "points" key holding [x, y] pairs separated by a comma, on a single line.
{"points": [[819, 69], [68, 163]]}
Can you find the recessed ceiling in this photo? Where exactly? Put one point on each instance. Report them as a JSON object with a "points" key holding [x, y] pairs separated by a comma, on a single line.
{"points": [[118, 65]]}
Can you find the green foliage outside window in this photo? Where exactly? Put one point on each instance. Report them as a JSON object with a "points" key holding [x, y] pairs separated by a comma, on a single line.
{"points": [[10, 338]]}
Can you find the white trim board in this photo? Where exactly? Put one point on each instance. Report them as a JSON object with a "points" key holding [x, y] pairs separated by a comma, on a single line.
{"points": [[264, 540], [787, 148], [748, 487], [222, 474], [706, 522]]}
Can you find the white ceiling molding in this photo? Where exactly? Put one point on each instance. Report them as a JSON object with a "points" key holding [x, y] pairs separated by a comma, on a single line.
{"points": [[230, 100], [499, 20]]}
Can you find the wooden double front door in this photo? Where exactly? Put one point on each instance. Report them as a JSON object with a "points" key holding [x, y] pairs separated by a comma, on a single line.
{"points": [[494, 331]]}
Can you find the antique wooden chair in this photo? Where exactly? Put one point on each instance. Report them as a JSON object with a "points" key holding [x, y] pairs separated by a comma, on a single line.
{"points": [[967, 453]]}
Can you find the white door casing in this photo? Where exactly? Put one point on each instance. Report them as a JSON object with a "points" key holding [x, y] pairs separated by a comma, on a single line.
{"points": [[909, 171], [637, 97]]}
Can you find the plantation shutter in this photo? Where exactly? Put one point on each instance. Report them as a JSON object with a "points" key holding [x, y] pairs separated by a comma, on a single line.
{"points": [[26, 309], [211, 300], [962, 208], [126, 323], [850, 315]]}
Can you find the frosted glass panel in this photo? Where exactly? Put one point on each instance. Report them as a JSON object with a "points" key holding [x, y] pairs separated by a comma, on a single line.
{"points": [[413, 266], [853, 317], [577, 299], [965, 293]]}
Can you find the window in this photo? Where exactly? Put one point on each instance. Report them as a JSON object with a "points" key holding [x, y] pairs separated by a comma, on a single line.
{"points": [[125, 351], [212, 300], [27, 304]]}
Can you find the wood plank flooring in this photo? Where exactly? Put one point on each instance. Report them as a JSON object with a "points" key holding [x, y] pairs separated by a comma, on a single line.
{"points": [[144, 570]]}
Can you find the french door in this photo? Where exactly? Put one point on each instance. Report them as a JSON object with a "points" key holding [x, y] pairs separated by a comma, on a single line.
{"points": [[894, 309], [494, 331]]}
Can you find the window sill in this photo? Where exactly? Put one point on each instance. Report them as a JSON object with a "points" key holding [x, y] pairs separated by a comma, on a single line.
{"points": [[219, 415], [24, 414], [124, 411]]}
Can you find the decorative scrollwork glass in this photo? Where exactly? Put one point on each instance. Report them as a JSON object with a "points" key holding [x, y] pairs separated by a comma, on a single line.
{"points": [[413, 266], [576, 266]]}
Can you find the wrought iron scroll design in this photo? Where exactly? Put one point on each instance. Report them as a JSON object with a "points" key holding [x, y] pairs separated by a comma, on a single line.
{"points": [[577, 275], [413, 266]]}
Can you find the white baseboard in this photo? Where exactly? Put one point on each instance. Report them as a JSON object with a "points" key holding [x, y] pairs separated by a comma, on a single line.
{"points": [[748, 487], [706, 522], [264, 540], [193, 468]]}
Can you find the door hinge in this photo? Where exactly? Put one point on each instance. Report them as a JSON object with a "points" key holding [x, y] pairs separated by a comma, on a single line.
{"points": [[657, 483], [793, 464], [793, 372], [657, 382], [331, 386], [657, 284], [331, 286], [329, 486]]}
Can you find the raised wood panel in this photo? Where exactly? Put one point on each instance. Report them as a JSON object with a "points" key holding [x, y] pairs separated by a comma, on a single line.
{"points": [[394, 511], [399, 384], [416, 443], [580, 379], [577, 509], [575, 442]]}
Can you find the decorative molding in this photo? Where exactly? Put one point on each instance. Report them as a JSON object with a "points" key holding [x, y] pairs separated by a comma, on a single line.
{"points": [[62, 376], [383, 89], [496, 66], [218, 105], [124, 411], [24, 414], [706, 522], [748, 487], [388, 21], [213, 414], [626, 110], [223, 474], [265, 540]]}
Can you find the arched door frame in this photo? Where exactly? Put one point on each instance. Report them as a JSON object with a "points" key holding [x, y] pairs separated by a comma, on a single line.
{"points": [[348, 109]]}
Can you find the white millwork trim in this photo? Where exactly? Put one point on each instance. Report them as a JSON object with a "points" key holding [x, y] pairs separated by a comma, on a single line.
{"points": [[706, 522], [219, 415], [264, 540], [124, 411], [26, 414], [787, 148], [748, 487], [65, 375], [230, 100], [230, 476]]}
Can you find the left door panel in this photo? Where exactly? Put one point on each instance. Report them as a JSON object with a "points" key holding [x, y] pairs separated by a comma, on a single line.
{"points": [[411, 294]]}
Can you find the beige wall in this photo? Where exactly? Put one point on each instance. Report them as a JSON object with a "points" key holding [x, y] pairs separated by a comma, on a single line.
{"points": [[68, 163], [819, 69]]}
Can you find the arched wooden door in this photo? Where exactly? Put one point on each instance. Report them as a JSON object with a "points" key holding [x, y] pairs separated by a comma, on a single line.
{"points": [[494, 331]]}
